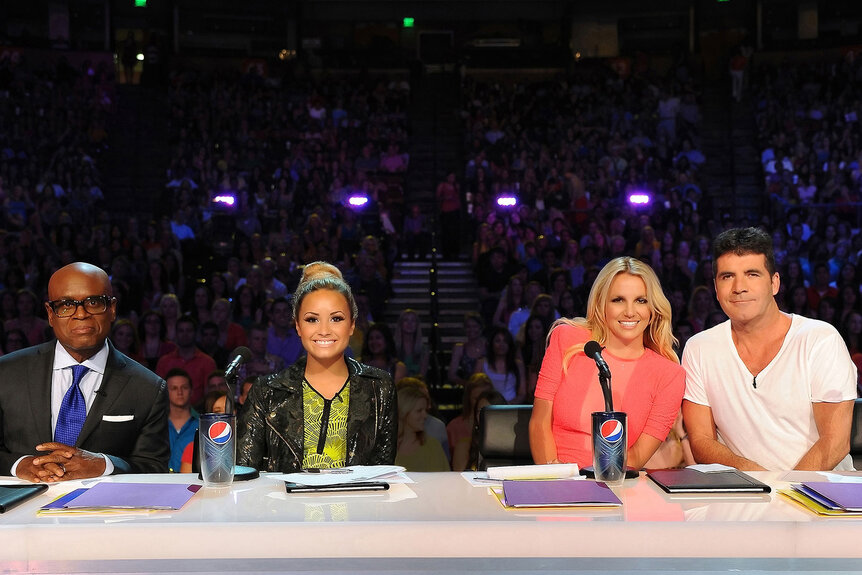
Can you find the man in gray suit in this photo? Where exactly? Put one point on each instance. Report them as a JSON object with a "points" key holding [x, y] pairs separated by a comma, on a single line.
{"points": [[76, 407]]}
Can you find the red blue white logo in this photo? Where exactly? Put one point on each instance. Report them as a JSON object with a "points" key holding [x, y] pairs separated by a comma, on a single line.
{"points": [[219, 432], [612, 430]]}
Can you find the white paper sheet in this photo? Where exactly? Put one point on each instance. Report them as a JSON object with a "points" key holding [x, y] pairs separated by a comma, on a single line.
{"points": [[350, 474]]}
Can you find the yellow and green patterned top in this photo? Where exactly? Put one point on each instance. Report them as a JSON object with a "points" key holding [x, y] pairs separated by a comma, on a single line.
{"points": [[325, 441]]}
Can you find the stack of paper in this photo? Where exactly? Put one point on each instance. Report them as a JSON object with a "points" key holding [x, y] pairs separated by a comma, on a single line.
{"points": [[122, 497], [342, 475], [557, 493], [825, 498], [551, 471]]}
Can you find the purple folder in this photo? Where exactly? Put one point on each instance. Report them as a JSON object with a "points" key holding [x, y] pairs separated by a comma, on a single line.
{"points": [[60, 502], [134, 496], [844, 495], [559, 493]]}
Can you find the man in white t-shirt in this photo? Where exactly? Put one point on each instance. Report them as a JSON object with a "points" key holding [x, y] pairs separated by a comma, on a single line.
{"points": [[765, 390]]}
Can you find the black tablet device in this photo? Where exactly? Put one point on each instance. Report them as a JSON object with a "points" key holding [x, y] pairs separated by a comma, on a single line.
{"points": [[693, 481], [12, 495]]}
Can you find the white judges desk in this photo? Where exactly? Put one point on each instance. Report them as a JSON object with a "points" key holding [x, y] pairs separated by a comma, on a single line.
{"points": [[438, 524]]}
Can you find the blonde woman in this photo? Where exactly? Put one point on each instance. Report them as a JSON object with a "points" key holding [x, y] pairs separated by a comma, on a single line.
{"points": [[628, 314], [417, 451], [169, 305]]}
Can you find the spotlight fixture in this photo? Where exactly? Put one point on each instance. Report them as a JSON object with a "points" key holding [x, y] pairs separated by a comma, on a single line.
{"points": [[639, 199], [357, 201]]}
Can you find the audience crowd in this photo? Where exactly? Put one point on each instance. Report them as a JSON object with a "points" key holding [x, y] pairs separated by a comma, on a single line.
{"points": [[572, 151], [807, 118]]}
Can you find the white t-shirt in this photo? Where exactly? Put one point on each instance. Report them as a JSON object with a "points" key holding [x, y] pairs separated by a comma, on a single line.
{"points": [[772, 423]]}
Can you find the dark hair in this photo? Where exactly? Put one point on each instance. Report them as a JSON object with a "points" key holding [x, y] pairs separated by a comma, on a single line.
{"points": [[142, 333], [191, 304], [209, 325], [163, 286], [210, 399], [215, 373], [31, 294], [511, 353], [179, 372], [571, 293], [388, 339], [18, 332], [744, 241], [125, 322], [187, 319], [475, 317], [256, 302], [557, 273]]}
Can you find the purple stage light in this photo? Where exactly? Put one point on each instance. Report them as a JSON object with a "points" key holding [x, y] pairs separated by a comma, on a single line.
{"points": [[227, 200], [357, 201], [507, 201], [639, 199]]}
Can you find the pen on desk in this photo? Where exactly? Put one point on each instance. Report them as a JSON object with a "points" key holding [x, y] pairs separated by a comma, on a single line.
{"points": [[339, 471]]}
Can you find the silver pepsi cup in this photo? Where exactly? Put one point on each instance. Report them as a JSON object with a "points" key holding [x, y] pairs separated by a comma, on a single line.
{"points": [[609, 446], [217, 433]]}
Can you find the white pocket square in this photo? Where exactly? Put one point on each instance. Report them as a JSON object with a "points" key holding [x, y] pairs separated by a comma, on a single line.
{"points": [[118, 418]]}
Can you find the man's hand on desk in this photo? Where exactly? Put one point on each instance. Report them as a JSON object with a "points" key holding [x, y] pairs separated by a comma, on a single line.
{"points": [[65, 463], [28, 471]]}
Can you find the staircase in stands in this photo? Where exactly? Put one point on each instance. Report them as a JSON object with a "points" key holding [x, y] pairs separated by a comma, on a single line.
{"points": [[138, 155], [457, 294], [732, 178]]}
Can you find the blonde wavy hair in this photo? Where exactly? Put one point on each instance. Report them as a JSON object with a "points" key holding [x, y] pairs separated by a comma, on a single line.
{"points": [[410, 393], [659, 334]]}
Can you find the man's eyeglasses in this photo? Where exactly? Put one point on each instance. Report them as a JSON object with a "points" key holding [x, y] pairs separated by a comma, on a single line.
{"points": [[93, 305]]}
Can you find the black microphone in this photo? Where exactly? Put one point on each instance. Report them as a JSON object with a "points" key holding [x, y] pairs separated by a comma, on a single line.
{"points": [[594, 351], [240, 355]]}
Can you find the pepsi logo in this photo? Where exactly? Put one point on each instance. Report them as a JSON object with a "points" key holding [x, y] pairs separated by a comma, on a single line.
{"points": [[612, 430], [219, 432]]}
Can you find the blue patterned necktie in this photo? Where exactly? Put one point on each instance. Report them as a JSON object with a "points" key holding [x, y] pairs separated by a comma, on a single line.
{"points": [[73, 410]]}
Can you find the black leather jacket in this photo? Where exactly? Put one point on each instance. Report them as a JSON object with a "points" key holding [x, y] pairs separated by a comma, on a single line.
{"points": [[271, 423]]}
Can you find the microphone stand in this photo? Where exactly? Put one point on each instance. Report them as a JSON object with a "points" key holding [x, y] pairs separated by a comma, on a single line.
{"points": [[229, 402], [607, 392]]}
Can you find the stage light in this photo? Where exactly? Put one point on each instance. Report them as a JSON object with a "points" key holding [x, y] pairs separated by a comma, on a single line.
{"points": [[639, 199], [224, 200], [507, 201], [357, 201]]}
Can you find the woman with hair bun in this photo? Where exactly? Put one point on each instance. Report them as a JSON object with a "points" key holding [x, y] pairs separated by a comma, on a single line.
{"points": [[326, 410], [627, 314]]}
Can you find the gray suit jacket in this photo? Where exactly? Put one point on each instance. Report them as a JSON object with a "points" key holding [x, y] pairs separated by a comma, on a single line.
{"points": [[128, 421]]}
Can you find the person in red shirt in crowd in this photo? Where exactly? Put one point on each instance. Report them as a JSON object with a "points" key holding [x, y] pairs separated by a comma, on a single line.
{"points": [[188, 357]]}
